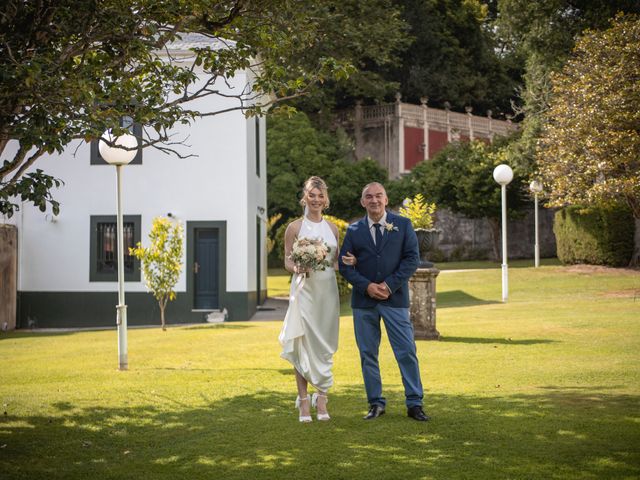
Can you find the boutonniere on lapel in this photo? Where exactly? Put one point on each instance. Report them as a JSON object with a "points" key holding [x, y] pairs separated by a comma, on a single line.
{"points": [[390, 227]]}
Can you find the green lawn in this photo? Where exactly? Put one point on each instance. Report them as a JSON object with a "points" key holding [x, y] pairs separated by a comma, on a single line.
{"points": [[546, 386]]}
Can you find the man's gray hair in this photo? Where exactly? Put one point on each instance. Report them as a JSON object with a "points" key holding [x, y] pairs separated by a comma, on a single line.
{"points": [[366, 187]]}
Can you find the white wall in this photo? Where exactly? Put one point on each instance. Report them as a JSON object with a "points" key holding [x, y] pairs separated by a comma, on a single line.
{"points": [[219, 184]]}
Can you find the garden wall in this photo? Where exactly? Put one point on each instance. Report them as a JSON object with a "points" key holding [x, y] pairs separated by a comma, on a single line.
{"points": [[465, 238]]}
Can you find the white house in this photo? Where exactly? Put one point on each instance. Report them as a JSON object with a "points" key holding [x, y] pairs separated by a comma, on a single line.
{"points": [[67, 264]]}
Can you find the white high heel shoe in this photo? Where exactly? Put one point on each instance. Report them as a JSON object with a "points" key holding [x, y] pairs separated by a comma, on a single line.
{"points": [[314, 403], [302, 418]]}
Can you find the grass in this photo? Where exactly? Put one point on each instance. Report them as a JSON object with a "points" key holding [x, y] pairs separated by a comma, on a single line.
{"points": [[546, 386]]}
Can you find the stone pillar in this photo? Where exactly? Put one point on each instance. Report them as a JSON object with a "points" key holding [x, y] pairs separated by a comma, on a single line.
{"points": [[8, 276], [447, 109], [422, 297], [469, 111], [425, 129], [489, 113], [395, 173], [357, 128]]}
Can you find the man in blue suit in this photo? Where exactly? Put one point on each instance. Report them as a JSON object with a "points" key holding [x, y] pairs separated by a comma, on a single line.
{"points": [[378, 256]]}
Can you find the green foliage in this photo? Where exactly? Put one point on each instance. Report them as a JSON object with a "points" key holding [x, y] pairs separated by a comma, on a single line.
{"points": [[543, 33], [34, 187], [344, 287], [271, 223], [162, 260], [418, 211], [598, 236], [454, 57], [298, 150], [373, 47], [73, 68], [276, 258], [589, 150], [460, 177]]}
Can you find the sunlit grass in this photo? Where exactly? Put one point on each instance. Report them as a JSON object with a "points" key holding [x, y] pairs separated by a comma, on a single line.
{"points": [[544, 386]]}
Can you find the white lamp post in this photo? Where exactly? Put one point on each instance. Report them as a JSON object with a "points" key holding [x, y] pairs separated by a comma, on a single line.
{"points": [[119, 157], [536, 187], [503, 175]]}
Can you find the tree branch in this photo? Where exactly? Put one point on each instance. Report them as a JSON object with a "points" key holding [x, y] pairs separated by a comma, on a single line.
{"points": [[15, 163], [25, 166]]}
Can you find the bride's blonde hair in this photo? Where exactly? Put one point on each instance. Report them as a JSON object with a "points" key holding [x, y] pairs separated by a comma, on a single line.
{"points": [[310, 184]]}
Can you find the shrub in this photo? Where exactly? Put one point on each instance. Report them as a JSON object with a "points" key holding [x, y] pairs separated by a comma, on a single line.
{"points": [[418, 211], [278, 244], [344, 288], [596, 235]]}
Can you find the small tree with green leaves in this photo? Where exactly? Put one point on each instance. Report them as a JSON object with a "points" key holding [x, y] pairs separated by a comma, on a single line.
{"points": [[162, 261], [418, 211]]}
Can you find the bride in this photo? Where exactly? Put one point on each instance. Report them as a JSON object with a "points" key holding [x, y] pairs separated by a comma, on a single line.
{"points": [[309, 336]]}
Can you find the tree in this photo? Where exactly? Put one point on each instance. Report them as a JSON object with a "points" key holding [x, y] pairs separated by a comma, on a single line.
{"points": [[70, 69], [460, 178], [454, 57], [162, 261], [297, 150], [589, 152], [378, 35], [543, 33]]}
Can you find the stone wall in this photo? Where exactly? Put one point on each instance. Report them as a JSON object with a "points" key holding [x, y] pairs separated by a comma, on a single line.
{"points": [[8, 276], [471, 239]]}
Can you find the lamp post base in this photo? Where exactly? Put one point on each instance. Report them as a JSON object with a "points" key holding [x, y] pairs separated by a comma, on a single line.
{"points": [[121, 322]]}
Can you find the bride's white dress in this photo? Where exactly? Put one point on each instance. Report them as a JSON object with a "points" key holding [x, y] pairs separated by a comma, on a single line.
{"points": [[309, 336]]}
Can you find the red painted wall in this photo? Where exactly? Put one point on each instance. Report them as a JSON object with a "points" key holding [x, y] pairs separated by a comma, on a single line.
{"points": [[437, 141], [413, 140]]}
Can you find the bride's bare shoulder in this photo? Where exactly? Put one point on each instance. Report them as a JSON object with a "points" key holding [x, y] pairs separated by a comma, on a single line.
{"points": [[293, 228], [332, 225]]}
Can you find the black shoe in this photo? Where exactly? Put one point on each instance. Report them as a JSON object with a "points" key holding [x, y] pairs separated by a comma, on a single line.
{"points": [[418, 414], [374, 412]]}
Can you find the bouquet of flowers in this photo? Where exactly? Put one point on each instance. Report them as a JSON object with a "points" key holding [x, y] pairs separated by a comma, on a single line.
{"points": [[310, 253]]}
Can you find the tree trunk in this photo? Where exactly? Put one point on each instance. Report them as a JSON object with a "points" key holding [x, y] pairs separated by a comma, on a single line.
{"points": [[163, 304], [494, 223], [635, 258]]}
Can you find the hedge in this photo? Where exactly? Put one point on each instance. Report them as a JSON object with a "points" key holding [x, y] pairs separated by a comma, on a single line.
{"points": [[597, 236]]}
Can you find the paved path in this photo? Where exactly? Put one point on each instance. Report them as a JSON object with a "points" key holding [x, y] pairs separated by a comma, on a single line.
{"points": [[273, 308]]}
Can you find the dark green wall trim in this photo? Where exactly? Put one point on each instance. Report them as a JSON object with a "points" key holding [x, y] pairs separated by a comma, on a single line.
{"points": [[98, 309]]}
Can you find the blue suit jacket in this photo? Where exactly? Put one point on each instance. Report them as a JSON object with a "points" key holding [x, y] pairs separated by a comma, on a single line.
{"points": [[393, 262]]}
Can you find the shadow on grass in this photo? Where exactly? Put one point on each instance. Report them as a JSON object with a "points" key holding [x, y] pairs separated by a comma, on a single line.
{"points": [[500, 341], [459, 298], [30, 334], [553, 434], [224, 326]]}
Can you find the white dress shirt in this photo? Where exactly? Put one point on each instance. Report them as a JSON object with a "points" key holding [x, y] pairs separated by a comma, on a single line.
{"points": [[382, 222]]}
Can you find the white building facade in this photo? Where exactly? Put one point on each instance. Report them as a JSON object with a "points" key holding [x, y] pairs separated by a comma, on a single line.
{"points": [[67, 264]]}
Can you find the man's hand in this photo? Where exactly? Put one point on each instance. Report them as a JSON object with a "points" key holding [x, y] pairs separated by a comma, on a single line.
{"points": [[379, 291], [349, 259]]}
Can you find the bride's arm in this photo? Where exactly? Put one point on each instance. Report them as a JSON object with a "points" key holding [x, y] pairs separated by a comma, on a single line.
{"points": [[290, 235]]}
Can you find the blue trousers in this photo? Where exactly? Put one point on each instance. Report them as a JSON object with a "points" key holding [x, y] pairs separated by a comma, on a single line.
{"points": [[400, 332]]}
